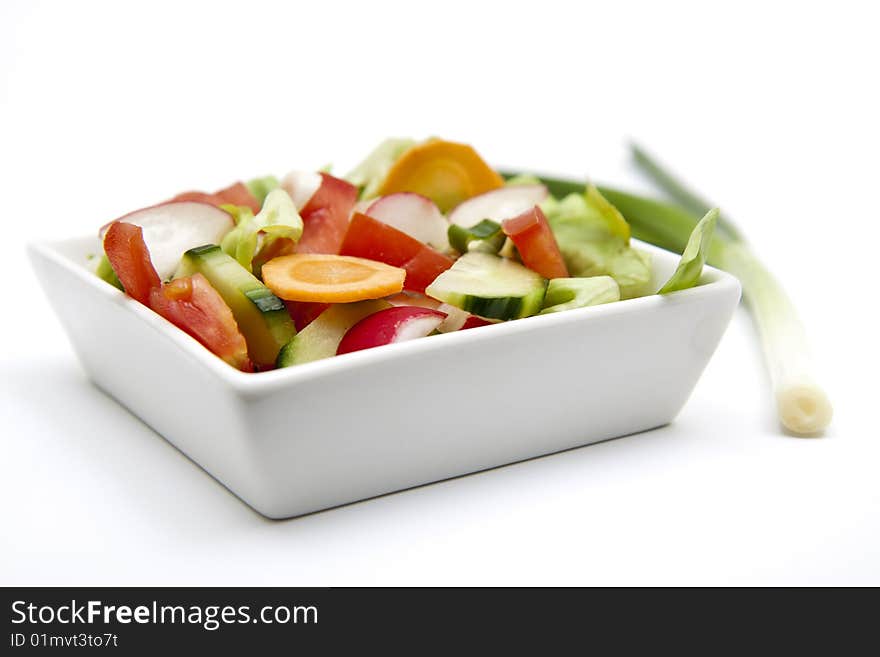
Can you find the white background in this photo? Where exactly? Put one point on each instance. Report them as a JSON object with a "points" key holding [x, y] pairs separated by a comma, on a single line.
{"points": [[769, 108]]}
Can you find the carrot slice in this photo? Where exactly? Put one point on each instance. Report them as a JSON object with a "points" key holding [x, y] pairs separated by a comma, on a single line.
{"points": [[444, 171], [331, 278]]}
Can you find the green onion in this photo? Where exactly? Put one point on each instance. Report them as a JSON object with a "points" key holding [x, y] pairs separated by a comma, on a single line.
{"points": [[802, 404], [676, 190]]}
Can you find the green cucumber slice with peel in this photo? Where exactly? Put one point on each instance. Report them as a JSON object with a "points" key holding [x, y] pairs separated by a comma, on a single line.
{"points": [[261, 316], [321, 338], [489, 286]]}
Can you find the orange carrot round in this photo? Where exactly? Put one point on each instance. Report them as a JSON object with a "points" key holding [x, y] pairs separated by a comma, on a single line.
{"points": [[444, 171], [331, 278]]}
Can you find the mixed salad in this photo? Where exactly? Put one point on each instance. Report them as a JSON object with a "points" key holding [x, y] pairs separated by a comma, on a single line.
{"points": [[420, 238]]}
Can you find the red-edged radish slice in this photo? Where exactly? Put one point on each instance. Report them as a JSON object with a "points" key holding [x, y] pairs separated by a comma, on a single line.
{"points": [[172, 228], [498, 205], [396, 324], [456, 318], [301, 185], [362, 205], [413, 214]]}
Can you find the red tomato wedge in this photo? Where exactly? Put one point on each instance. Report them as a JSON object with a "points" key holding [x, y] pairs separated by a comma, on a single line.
{"points": [[369, 238], [304, 313], [189, 303], [280, 247], [192, 305], [238, 194], [128, 255], [235, 194], [325, 216], [473, 322], [536, 244]]}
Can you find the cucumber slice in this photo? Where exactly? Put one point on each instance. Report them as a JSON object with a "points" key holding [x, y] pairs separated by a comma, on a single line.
{"points": [[321, 338], [485, 236], [261, 316], [489, 286]]}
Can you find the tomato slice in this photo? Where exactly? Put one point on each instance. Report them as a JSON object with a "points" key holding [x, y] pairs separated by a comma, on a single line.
{"points": [[192, 305], [369, 238], [128, 255], [280, 247], [238, 194], [536, 244], [235, 194], [473, 322], [325, 216], [189, 303], [304, 313]]}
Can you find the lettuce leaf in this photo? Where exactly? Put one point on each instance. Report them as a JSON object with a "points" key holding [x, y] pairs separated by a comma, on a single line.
{"points": [[369, 174], [523, 179], [260, 187], [255, 234], [594, 240], [570, 293], [690, 267]]}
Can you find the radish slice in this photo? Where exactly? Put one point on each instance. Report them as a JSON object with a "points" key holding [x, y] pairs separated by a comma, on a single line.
{"points": [[172, 228], [417, 327], [415, 215], [301, 185], [498, 205], [396, 324], [362, 205], [456, 318]]}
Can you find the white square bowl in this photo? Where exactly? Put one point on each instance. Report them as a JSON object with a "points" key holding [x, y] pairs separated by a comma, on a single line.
{"points": [[318, 435]]}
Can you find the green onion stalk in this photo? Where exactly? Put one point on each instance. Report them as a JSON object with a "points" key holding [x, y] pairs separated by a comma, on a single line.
{"points": [[802, 405]]}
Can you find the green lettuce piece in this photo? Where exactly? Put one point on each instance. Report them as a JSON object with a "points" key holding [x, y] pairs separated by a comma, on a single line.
{"points": [[241, 241], [570, 293], [611, 217], [594, 240], [260, 187], [252, 234], [522, 179], [239, 212], [690, 267], [369, 174]]}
